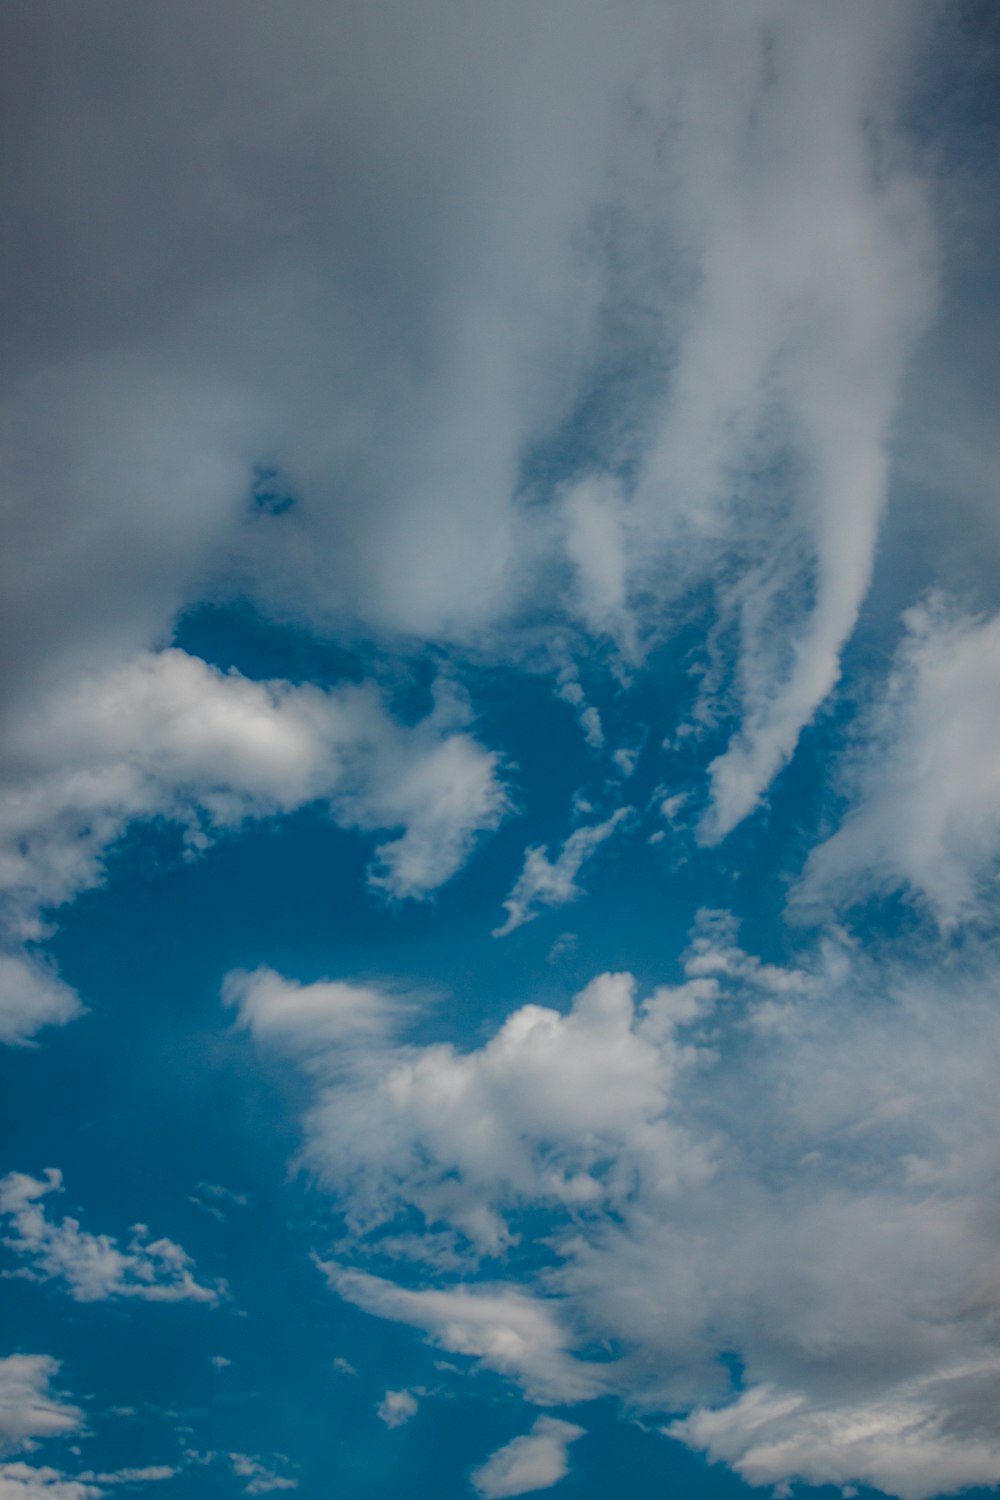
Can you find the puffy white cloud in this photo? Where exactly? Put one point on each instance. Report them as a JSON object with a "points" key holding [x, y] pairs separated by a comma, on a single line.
{"points": [[544, 882], [397, 1408], [795, 1166], [21, 1481], [32, 996], [533, 1462], [93, 1267], [27, 1408], [926, 784], [167, 736]]}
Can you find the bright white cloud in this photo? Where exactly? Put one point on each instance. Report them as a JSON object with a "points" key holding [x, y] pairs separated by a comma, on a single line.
{"points": [[544, 882], [926, 786], [504, 1329], [93, 1267], [397, 1408], [28, 1410], [795, 1165], [533, 1462], [167, 736]]}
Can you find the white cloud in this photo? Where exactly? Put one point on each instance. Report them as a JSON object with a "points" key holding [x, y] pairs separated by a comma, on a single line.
{"points": [[93, 1267], [533, 1462], [544, 882], [397, 1408], [927, 784], [901, 1444], [793, 1165], [32, 996], [502, 1328], [20, 1481], [167, 736], [27, 1408], [261, 1479]]}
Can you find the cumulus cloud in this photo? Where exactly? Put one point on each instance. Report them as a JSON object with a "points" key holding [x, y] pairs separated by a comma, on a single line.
{"points": [[792, 1165], [397, 1408], [552, 882], [533, 1462], [167, 736], [28, 1409], [926, 784], [93, 1267]]}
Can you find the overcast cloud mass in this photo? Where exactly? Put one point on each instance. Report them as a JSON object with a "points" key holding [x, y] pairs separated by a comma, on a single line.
{"points": [[499, 805]]}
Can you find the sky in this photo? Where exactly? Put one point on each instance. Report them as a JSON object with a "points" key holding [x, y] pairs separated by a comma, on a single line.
{"points": [[499, 807]]}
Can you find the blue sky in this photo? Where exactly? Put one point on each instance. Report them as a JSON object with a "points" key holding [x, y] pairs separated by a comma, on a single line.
{"points": [[499, 818]]}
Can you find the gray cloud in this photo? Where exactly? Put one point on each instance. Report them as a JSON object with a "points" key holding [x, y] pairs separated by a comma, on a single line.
{"points": [[389, 255]]}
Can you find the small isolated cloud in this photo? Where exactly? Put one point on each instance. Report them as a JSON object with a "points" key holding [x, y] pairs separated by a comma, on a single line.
{"points": [[533, 1462], [544, 882], [261, 1479], [93, 1267], [219, 1361], [397, 1408], [28, 1409]]}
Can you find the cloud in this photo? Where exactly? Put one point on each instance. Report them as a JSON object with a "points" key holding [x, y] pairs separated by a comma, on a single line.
{"points": [[789, 1165], [32, 996], [397, 1408], [500, 1327], [534, 1462], [27, 1408], [93, 1267], [167, 736], [725, 202], [261, 1479], [20, 1481], [544, 882], [926, 784], [901, 1444], [150, 1474]]}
